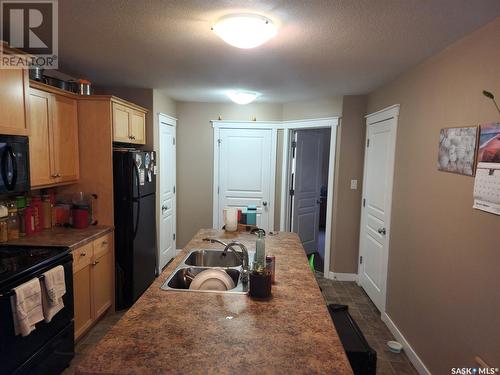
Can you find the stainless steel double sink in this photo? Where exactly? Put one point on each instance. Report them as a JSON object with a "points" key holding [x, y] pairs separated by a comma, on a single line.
{"points": [[199, 260]]}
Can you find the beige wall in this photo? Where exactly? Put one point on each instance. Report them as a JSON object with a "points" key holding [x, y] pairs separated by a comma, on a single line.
{"points": [[161, 104], [310, 109], [195, 158], [349, 166], [443, 288]]}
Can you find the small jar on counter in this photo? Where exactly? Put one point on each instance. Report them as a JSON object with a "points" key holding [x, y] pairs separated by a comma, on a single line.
{"points": [[4, 223], [13, 223], [21, 206], [29, 221]]}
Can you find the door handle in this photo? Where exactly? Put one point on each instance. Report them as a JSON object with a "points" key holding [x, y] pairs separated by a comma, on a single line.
{"points": [[381, 231], [264, 203], [164, 208]]}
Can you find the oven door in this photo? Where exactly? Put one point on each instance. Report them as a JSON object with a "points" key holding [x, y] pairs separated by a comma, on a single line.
{"points": [[14, 164], [22, 355]]}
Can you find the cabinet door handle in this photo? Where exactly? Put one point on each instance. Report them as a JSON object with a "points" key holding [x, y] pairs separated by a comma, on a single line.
{"points": [[95, 262], [83, 254], [104, 243], [53, 175]]}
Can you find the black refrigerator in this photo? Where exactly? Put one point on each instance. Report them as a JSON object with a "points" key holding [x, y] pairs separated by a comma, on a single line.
{"points": [[134, 177]]}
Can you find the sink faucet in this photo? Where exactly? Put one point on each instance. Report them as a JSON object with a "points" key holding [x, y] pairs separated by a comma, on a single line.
{"points": [[243, 255]]}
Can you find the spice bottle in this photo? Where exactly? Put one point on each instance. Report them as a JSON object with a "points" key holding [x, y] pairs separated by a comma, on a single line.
{"points": [[13, 223], [21, 206], [36, 203], [47, 212], [3, 223], [29, 220]]}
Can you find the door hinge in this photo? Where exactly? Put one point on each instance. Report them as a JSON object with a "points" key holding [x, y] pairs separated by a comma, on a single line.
{"points": [[174, 189], [173, 140], [368, 143], [219, 141], [292, 192], [173, 237], [294, 146], [218, 189], [361, 260], [364, 202]]}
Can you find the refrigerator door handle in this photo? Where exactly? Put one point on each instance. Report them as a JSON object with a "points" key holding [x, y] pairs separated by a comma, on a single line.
{"points": [[138, 199]]}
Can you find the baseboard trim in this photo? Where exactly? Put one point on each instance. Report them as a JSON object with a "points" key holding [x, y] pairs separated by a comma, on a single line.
{"points": [[343, 276], [412, 355]]}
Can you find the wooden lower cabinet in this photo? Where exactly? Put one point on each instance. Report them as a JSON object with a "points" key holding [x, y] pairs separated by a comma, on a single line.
{"points": [[93, 282]]}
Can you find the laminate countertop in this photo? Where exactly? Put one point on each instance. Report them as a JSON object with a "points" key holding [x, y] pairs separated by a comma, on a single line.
{"points": [[170, 332], [67, 237]]}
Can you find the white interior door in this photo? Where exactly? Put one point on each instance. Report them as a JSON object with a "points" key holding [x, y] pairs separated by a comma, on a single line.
{"points": [[246, 166], [167, 163], [307, 186], [376, 210]]}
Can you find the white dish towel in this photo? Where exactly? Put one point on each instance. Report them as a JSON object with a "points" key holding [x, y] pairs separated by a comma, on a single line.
{"points": [[53, 289], [26, 306]]}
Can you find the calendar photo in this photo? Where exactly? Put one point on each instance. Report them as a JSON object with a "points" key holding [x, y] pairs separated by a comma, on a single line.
{"points": [[489, 143], [457, 150]]}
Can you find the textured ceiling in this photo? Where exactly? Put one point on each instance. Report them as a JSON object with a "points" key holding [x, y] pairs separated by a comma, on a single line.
{"points": [[323, 47]]}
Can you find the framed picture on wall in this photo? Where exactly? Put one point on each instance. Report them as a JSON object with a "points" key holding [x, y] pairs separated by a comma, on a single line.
{"points": [[457, 150]]}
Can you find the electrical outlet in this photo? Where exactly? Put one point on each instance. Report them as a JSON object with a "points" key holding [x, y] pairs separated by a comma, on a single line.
{"points": [[354, 184]]}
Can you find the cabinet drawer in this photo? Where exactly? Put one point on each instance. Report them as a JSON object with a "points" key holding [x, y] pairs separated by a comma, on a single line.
{"points": [[102, 245], [82, 257]]}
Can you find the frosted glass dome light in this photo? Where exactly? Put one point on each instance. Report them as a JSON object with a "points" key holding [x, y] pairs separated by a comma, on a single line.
{"points": [[245, 30], [242, 97]]}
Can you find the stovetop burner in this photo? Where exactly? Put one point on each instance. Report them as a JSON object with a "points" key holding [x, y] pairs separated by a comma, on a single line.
{"points": [[14, 260]]}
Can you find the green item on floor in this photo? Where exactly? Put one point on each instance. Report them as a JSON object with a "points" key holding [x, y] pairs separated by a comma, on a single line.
{"points": [[311, 262]]}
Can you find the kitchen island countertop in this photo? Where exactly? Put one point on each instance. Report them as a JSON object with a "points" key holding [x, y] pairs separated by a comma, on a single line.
{"points": [[169, 332]]}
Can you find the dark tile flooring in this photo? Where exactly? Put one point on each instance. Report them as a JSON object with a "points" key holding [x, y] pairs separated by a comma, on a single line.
{"points": [[361, 309], [368, 319], [95, 334]]}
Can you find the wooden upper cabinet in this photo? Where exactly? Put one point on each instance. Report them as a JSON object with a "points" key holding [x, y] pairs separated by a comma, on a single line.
{"points": [[14, 86], [41, 165], [129, 124], [53, 139], [65, 138], [138, 127], [121, 123]]}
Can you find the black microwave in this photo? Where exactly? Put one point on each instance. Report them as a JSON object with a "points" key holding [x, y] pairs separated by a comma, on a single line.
{"points": [[14, 164]]}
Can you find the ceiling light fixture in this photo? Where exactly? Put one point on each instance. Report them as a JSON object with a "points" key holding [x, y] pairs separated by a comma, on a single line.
{"points": [[242, 97], [245, 30]]}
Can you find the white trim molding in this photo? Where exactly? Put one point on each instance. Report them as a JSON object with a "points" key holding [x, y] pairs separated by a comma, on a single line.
{"points": [[412, 355], [342, 276], [168, 119], [384, 114]]}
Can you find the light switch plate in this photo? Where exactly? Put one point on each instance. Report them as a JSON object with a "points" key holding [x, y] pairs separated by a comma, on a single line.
{"points": [[354, 184]]}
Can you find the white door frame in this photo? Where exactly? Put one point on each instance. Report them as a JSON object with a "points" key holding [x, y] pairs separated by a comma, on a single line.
{"points": [[391, 112], [245, 125], [288, 127], [171, 121]]}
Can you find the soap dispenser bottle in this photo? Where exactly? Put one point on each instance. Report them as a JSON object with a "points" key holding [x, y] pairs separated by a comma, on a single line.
{"points": [[260, 253]]}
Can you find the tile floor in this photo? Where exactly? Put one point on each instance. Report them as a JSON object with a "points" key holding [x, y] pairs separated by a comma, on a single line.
{"points": [[361, 309], [95, 334], [368, 319]]}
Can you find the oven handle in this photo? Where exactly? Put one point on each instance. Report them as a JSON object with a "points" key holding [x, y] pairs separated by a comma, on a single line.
{"points": [[11, 292]]}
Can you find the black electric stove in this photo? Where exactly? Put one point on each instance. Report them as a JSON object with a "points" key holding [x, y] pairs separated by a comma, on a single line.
{"points": [[48, 349], [18, 261]]}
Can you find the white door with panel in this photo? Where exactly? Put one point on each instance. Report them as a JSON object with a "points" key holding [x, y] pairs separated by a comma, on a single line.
{"points": [[246, 170], [167, 201], [376, 210], [307, 186]]}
